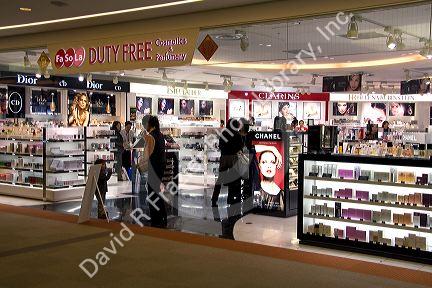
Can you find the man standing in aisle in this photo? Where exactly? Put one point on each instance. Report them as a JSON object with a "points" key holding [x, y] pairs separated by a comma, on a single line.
{"points": [[128, 139]]}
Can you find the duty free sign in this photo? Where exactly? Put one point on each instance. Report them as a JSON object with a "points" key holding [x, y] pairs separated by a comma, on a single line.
{"points": [[165, 49]]}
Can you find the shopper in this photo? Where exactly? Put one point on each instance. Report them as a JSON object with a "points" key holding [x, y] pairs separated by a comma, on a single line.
{"points": [[157, 162], [301, 127], [102, 183], [117, 143], [230, 144], [128, 139], [386, 129], [294, 124]]}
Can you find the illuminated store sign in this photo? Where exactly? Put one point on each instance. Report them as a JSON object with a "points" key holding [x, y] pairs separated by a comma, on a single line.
{"points": [[374, 97], [154, 50], [278, 96]]}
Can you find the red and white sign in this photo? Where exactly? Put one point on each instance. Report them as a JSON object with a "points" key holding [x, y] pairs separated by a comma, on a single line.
{"points": [[70, 57]]}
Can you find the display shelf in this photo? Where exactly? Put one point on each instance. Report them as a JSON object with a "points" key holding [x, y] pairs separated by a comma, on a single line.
{"points": [[372, 203], [102, 137], [376, 224], [21, 154], [21, 139], [54, 187], [22, 184], [340, 217], [64, 171], [21, 169], [65, 156], [101, 150], [64, 140], [375, 183]]}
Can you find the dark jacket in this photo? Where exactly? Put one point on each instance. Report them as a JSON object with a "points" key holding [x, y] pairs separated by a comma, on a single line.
{"points": [[230, 143], [104, 176], [157, 158]]}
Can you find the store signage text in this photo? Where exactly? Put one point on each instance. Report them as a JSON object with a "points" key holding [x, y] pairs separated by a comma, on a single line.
{"points": [[409, 137], [15, 102], [23, 79], [268, 136], [94, 85], [278, 96], [380, 97], [184, 92]]}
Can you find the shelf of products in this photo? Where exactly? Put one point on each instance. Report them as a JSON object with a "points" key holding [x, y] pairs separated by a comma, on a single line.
{"points": [[100, 145], [377, 205]]}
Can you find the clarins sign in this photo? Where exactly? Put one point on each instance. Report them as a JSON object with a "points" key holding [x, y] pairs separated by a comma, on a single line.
{"points": [[163, 49], [277, 96]]}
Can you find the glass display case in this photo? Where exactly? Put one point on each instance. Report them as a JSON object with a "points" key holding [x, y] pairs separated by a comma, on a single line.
{"points": [[367, 204]]}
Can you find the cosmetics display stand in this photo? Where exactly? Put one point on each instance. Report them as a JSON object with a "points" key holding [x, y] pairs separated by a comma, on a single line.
{"points": [[294, 147], [375, 205], [99, 145]]}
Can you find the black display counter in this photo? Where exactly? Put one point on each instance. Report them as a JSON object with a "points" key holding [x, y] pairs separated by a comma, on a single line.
{"points": [[379, 206]]}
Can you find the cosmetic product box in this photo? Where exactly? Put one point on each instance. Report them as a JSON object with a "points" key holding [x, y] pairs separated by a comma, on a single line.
{"points": [[397, 218], [345, 213], [410, 241], [399, 241], [346, 174], [386, 215], [417, 198], [407, 219], [339, 233], [329, 192], [314, 190], [366, 174], [362, 195], [338, 210], [381, 176], [351, 232], [416, 219], [420, 243], [376, 216]]}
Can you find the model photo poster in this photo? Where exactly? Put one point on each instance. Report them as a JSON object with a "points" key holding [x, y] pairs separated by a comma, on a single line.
{"points": [[344, 109], [415, 86], [187, 107], [288, 110], [103, 104], [143, 105], [79, 109], [3, 103], [351, 82], [312, 110], [269, 192], [401, 109], [374, 112], [205, 108], [165, 106], [237, 108], [262, 109], [45, 102]]}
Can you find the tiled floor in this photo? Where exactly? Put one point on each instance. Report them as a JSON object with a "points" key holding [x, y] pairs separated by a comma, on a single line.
{"points": [[202, 219]]}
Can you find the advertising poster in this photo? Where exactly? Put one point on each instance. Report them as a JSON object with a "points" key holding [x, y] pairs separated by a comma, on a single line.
{"points": [[402, 109], [165, 106], [45, 102], [78, 109], [287, 110], [187, 107], [3, 103], [344, 109], [262, 109], [205, 108], [270, 155], [103, 104], [143, 105], [351, 82], [312, 110], [375, 112], [132, 113], [16, 102], [237, 108], [415, 86]]}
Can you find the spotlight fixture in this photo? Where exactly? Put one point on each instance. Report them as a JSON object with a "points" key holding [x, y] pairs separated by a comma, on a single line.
{"points": [[394, 38], [244, 40], [426, 50], [308, 91], [352, 32], [47, 74], [81, 78], [115, 80], [185, 85], [253, 83], [206, 86], [407, 75], [38, 75], [122, 73], [391, 42], [164, 75], [27, 62], [428, 81], [313, 81], [89, 77]]}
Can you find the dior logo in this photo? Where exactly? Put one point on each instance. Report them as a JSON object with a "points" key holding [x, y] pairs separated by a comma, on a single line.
{"points": [[22, 79], [63, 83], [94, 85], [15, 102], [117, 88]]}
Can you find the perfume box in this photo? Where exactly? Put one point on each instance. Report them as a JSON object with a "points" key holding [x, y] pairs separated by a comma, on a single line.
{"points": [[329, 192], [386, 215], [366, 174], [374, 236], [407, 219], [386, 241], [416, 219], [376, 216], [339, 233], [392, 197], [411, 199], [381, 176], [420, 243], [410, 241], [346, 173], [417, 198], [399, 241], [397, 218], [345, 213], [400, 199], [367, 215], [362, 195], [338, 210], [351, 232]]}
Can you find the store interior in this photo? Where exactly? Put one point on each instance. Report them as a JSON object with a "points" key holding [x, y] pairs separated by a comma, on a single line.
{"points": [[333, 71]]}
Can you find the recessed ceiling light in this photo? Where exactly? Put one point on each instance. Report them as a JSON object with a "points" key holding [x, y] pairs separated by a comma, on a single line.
{"points": [[261, 44], [25, 9], [268, 45], [89, 16]]}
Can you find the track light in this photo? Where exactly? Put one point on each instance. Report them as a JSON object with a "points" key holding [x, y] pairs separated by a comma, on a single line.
{"points": [[253, 83], [38, 75], [122, 73], [391, 42], [115, 80], [81, 78], [313, 81], [407, 75], [27, 62], [352, 32], [89, 77], [164, 75], [185, 85], [47, 74], [426, 50], [206, 86]]}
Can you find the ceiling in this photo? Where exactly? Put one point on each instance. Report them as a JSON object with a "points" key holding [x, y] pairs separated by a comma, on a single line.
{"points": [[279, 42], [44, 10]]}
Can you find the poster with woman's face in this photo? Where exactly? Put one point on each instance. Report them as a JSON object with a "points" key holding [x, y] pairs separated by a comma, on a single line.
{"points": [[237, 108], [143, 105], [375, 112], [102, 104], [344, 109], [165, 106], [187, 107], [402, 109], [3, 103], [312, 110], [269, 194], [262, 109], [205, 108], [79, 109], [415, 86], [287, 110], [342, 83]]}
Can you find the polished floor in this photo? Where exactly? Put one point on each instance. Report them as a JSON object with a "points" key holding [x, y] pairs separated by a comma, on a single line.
{"points": [[195, 215], [149, 257]]}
